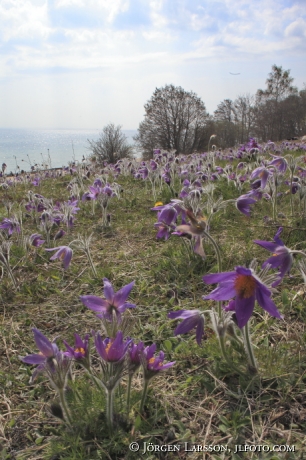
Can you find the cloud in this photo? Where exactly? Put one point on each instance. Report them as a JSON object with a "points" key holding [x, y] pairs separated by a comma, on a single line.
{"points": [[24, 19], [154, 42], [109, 8], [296, 28]]}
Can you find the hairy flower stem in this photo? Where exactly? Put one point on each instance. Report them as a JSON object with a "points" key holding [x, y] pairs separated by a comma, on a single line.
{"points": [[187, 246], [249, 348], [298, 252], [9, 271], [219, 260], [153, 189], [274, 203], [291, 194], [48, 238], [95, 380], [128, 394], [91, 263], [225, 356], [220, 311], [61, 393], [144, 394], [104, 218], [110, 408]]}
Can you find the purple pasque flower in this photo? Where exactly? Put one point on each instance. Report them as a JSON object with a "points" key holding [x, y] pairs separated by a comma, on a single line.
{"points": [[295, 187], [243, 285], [196, 229], [113, 302], [166, 221], [167, 215], [94, 192], [256, 184], [63, 253], [47, 352], [10, 225], [230, 306], [252, 143], [152, 365], [134, 355], [59, 234], [282, 256], [178, 205], [80, 351], [191, 319], [36, 240], [263, 174], [244, 202], [153, 165], [279, 163], [112, 350], [144, 172], [36, 181]]}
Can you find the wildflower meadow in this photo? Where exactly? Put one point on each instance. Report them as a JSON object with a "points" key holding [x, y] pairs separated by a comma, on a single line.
{"points": [[155, 309]]}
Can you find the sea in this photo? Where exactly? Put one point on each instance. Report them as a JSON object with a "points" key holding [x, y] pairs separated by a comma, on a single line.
{"points": [[22, 148]]}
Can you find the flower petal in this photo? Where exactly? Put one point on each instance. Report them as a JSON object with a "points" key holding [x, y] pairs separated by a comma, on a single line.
{"points": [[126, 305], [67, 257], [43, 344], [225, 291], [198, 247], [267, 304], [267, 245], [34, 359], [219, 277], [186, 325], [182, 314], [121, 296], [244, 308], [95, 303], [108, 290], [200, 330]]}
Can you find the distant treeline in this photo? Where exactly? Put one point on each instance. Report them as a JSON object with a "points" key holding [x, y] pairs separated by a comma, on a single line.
{"points": [[177, 120], [276, 113]]}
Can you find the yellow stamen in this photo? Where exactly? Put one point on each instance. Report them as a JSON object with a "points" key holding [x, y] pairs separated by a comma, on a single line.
{"points": [[108, 347], [158, 203], [80, 350], [152, 361], [245, 286]]}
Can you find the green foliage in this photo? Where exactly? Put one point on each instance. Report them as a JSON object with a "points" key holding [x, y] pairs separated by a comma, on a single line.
{"points": [[202, 396]]}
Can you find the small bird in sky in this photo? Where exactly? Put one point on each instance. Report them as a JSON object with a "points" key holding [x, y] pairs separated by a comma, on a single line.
{"points": [[234, 73]]}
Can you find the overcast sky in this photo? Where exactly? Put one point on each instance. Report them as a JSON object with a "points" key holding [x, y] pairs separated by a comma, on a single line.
{"points": [[85, 63]]}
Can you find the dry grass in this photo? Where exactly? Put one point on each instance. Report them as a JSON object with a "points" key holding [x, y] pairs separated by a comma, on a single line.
{"points": [[201, 400]]}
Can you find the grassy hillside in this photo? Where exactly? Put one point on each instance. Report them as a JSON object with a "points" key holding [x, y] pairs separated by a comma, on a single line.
{"points": [[203, 399]]}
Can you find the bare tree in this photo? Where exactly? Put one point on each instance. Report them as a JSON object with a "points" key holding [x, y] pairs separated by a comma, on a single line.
{"points": [[174, 119], [269, 103], [244, 117], [224, 118], [111, 145], [225, 111], [278, 85], [276, 113]]}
